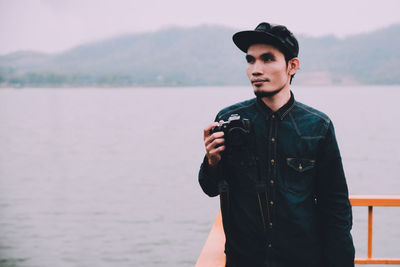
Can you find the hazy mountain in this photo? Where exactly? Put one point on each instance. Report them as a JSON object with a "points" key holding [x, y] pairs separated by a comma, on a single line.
{"points": [[202, 55]]}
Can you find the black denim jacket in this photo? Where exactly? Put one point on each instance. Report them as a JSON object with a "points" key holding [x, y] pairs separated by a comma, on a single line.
{"points": [[284, 196]]}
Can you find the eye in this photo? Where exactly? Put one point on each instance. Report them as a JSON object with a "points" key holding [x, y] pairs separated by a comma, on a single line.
{"points": [[250, 59], [267, 57]]}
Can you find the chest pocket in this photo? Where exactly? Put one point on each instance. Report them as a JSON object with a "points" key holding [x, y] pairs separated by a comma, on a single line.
{"points": [[299, 175]]}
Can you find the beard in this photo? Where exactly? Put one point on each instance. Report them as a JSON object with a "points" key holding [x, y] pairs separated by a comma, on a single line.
{"points": [[262, 94]]}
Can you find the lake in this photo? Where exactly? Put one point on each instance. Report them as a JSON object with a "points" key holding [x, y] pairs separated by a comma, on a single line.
{"points": [[108, 177]]}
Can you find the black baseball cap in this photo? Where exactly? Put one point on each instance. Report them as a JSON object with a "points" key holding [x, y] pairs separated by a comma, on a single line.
{"points": [[266, 33]]}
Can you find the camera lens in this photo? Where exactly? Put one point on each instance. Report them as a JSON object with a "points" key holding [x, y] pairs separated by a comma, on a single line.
{"points": [[237, 136]]}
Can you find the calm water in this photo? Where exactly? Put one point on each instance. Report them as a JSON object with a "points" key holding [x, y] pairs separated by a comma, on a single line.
{"points": [[108, 177]]}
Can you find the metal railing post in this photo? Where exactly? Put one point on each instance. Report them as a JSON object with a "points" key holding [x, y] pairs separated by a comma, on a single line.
{"points": [[369, 254]]}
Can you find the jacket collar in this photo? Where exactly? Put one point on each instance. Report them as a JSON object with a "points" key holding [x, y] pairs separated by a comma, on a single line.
{"points": [[281, 113]]}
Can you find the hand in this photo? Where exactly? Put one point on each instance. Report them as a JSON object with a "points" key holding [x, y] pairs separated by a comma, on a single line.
{"points": [[214, 144]]}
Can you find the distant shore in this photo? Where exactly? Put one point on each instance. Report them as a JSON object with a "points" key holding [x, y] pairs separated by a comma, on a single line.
{"points": [[178, 57]]}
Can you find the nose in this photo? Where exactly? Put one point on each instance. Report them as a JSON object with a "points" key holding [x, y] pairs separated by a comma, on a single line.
{"points": [[257, 68]]}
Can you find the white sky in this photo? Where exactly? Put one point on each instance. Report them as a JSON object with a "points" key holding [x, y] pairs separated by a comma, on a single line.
{"points": [[56, 25]]}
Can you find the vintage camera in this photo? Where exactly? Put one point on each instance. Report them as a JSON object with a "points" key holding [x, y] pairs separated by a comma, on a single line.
{"points": [[235, 130]]}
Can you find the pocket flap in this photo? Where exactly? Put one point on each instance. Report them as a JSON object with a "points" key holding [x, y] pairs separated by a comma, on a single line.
{"points": [[300, 165]]}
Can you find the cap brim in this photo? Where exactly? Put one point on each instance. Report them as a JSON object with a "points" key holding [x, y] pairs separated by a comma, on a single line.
{"points": [[245, 39]]}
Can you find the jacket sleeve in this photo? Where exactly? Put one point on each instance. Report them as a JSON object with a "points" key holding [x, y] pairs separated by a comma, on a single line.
{"points": [[333, 204], [209, 178]]}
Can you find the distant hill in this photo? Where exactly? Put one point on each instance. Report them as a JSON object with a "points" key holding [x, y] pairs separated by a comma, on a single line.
{"points": [[203, 55]]}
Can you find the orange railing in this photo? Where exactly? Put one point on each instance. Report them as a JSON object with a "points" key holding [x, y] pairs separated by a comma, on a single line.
{"points": [[212, 254], [371, 201]]}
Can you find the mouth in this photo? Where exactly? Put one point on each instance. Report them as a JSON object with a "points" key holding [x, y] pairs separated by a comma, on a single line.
{"points": [[259, 82]]}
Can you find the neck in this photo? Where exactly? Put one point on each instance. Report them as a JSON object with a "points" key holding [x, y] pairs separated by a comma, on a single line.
{"points": [[277, 101]]}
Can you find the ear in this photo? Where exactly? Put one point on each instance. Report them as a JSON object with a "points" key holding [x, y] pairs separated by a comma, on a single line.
{"points": [[293, 65]]}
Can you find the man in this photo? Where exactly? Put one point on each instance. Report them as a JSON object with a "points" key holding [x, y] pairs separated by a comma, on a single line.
{"points": [[283, 193]]}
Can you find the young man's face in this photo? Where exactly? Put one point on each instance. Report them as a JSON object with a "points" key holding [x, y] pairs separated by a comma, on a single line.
{"points": [[267, 70]]}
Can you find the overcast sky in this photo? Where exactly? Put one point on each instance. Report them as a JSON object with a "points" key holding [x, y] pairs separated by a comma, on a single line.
{"points": [[56, 25]]}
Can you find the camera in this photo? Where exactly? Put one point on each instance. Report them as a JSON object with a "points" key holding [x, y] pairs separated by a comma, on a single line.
{"points": [[235, 130]]}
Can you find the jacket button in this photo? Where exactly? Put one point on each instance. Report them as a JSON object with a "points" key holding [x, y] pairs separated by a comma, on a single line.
{"points": [[272, 181], [271, 203], [272, 161], [270, 224], [273, 116], [273, 139], [270, 245], [300, 167]]}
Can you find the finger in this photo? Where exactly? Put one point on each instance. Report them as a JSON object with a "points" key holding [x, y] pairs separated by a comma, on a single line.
{"points": [[217, 151], [215, 156], [214, 153], [210, 147], [221, 148], [210, 144], [214, 160], [216, 135], [208, 129]]}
